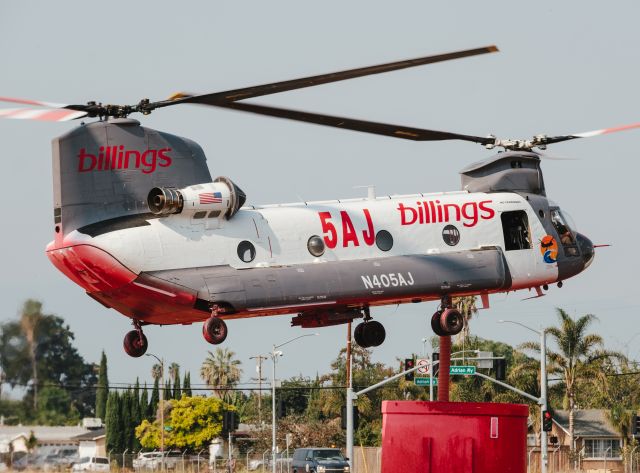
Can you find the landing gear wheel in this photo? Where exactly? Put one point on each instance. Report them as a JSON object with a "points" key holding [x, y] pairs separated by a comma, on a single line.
{"points": [[214, 330], [451, 321], [374, 334], [369, 334], [135, 343], [435, 324]]}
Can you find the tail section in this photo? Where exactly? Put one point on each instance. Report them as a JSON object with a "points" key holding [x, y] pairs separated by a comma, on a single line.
{"points": [[105, 170]]}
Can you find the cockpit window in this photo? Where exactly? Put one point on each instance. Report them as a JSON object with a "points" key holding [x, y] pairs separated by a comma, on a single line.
{"points": [[567, 238]]}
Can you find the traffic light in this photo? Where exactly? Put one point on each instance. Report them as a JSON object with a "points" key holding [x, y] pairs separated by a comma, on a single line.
{"points": [[635, 424], [547, 421], [228, 421], [435, 356], [343, 417], [500, 367], [408, 364]]}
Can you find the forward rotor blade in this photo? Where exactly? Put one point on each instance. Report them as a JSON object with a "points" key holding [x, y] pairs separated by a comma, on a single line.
{"points": [[276, 87], [47, 115], [589, 134], [395, 131]]}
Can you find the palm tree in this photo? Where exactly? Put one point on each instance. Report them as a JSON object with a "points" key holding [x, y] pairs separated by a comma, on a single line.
{"points": [[578, 357], [174, 370], [221, 370], [156, 371], [466, 305], [30, 317]]}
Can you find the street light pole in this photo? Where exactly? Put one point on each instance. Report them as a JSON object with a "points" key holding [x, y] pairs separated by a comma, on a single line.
{"points": [[274, 355], [542, 402], [161, 361], [259, 358]]}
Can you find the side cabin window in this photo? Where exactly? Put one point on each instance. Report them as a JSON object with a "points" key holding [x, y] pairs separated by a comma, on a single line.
{"points": [[515, 227]]}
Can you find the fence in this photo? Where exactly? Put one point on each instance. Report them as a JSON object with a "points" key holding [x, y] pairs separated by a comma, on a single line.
{"points": [[559, 461]]}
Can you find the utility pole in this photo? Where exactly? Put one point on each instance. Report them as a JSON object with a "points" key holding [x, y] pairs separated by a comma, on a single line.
{"points": [[349, 400], [161, 361], [260, 358], [542, 401]]}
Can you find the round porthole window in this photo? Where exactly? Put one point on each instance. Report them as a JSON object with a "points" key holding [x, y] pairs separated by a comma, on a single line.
{"points": [[451, 235], [246, 251], [384, 240], [315, 245]]}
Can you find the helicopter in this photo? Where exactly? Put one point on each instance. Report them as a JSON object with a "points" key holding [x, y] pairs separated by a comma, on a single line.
{"points": [[140, 224]]}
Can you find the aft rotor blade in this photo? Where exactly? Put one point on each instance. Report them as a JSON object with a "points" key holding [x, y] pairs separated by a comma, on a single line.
{"points": [[589, 134], [47, 115], [376, 128], [37, 103], [276, 87]]}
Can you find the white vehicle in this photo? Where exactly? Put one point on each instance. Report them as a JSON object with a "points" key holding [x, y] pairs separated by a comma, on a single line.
{"points": [[91, 464], [147, 460]]}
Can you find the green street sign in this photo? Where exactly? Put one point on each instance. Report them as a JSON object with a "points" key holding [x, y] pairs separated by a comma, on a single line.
{"points": [[425, 381], [462, 370]]}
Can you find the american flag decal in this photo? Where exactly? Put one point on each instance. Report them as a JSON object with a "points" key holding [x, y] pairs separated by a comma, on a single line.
{"points": [[210, 198]]}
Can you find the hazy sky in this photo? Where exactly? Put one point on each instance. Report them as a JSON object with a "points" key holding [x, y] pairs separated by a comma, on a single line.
{"points": [[564, 67]]}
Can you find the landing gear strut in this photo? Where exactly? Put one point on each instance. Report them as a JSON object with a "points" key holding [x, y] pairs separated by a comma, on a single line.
{"points": [[135, 343], [369, 333], [447, 320], [214, 329]]}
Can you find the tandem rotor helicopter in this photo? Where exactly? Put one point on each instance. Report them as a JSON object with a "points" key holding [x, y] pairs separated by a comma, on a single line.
{"points": [[142, 227]]}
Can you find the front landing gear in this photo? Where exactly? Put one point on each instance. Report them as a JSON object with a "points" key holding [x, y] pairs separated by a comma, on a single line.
{"points": [[214, 329], [369, 333], [447, 320], [135, 343]]}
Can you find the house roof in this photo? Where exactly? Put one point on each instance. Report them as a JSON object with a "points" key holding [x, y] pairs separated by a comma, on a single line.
{"points": [[42, 433], [93, 434], [587, 423]]}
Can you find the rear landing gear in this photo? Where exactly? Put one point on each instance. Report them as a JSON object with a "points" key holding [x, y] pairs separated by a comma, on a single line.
{"points": [[369, 333], [214, 329], [135, 343], [447, 320]]}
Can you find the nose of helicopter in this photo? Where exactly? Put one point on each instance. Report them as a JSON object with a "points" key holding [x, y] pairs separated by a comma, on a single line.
{"points": [[586, 250], [577, 259]]}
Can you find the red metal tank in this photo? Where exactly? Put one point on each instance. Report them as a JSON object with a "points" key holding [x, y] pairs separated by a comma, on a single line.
{"points": [[455, 437]]}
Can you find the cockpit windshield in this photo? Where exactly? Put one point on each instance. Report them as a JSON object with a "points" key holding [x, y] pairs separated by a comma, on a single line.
{"points": [[562, 224]]}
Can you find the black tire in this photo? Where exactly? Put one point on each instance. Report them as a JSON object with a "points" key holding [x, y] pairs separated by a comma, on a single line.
{"points": [[214, 330], [451, 322], [373, 333], [135, 344]]}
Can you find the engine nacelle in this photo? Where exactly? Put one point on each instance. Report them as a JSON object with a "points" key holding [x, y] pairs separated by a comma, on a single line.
{"points": [[221, 196]]}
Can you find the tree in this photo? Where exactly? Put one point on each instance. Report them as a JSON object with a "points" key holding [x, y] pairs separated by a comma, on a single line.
{"points": [[58, 361], [144, 402], [103, 388], [221, 370], [30, 317], [186, 385], [55, 407], [579, 355], [114, 433], [155, 399], [32, 442], [467, 307], [174, 372], [194, 422]]}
